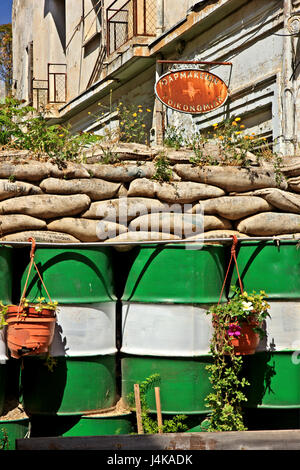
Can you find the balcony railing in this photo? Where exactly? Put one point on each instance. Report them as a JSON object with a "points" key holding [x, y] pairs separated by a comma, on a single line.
{"points": [[126, 20], [53, 90]]}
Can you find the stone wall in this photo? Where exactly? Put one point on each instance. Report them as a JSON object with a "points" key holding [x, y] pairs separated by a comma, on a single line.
{"points": [[96, 201]]}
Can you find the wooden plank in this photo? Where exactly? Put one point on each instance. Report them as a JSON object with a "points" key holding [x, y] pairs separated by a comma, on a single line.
{"points": [[158, 410], [246, 440], [138, 409]]}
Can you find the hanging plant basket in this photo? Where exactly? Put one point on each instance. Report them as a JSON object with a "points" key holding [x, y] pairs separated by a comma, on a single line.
{"points": [[29, 332], [248, 340], [30, 327]]}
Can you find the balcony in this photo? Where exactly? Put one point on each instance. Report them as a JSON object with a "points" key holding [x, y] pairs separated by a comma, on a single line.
{"points": [[126, 20]]}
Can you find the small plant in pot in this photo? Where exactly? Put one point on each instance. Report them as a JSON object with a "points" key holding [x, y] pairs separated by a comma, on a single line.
{"points": [[30, 326], [238, 328]]}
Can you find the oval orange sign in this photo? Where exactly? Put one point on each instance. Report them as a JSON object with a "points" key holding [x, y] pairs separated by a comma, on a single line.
{"points": [[191, 91]]}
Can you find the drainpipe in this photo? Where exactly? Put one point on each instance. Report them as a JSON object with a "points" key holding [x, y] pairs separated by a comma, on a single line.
{"points": [[288, 95]]}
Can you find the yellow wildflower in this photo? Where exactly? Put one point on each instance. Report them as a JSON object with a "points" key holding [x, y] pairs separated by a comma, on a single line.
{"points": [[238, 132], [237, 119], [242, 126], [148, 110], [140, 110], [215, 125], [234, 123], [143, 125], [221, 137], [140, 106], [134, 115]]}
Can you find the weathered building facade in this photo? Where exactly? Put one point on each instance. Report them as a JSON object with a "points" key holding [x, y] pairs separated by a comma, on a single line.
{"points": [[73, 54]]}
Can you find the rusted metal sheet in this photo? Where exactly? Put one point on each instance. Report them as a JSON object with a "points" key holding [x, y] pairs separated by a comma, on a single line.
{"points": [[191, 91], [245, 440]]}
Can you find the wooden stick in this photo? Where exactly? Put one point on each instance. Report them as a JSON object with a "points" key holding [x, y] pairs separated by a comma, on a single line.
{"points": [[138, 409], [158, 410]]}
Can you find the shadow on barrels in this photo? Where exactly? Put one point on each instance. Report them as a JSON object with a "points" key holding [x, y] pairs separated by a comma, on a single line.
{"points": [[52, 426], [43, 386], [66, 256], [259, 370]]}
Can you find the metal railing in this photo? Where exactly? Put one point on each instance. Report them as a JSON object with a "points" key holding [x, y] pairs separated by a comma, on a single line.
{"points": [[126, 20], [53, 90]]}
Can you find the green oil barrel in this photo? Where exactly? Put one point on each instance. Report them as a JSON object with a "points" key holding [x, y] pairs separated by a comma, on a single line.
{"points": [[177, 274], [6, 275], [73, 385], [72, 275], [10, 430], [274, 379], [83, 425], [183, 382], [268, 266], [3, 375]]}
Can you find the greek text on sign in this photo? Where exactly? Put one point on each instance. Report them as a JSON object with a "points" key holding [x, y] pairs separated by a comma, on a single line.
{"points": [[191, 91]]}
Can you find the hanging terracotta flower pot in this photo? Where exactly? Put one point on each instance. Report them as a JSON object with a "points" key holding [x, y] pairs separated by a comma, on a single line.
{"points": [[243, 337], [30, 327], [29, 332]]}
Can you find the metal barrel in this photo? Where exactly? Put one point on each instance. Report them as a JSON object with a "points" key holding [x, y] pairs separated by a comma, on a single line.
{"points": [[6, 274], [79, 377], [72, 275], [6, 289], [10, 430], [177, 274], [274, 370], [165, 326], [83, 425], [273, 266]]}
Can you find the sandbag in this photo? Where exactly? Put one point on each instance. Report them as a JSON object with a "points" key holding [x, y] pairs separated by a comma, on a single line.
{"points": [[177, 192], [138, 237], [31, 171], [46, 206], [269, 224], [9, 189], [231, 178], [283, 200], [19, 222], [87, 230], [182, 225], [233, 207], [124, 209], [121, 172], [96, 189], [45, 236]]}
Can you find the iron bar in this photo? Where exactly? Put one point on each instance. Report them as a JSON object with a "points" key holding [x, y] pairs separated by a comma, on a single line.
{"points": [[201, 241]]}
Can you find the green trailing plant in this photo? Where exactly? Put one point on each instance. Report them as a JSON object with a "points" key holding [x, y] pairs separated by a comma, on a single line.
{"points": [[225, 372], [150, 426], [163, 170], [3, 312]]}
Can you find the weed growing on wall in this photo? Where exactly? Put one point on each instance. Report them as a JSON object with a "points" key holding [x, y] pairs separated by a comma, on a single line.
{"points": [[131, 122], [163, 170]]}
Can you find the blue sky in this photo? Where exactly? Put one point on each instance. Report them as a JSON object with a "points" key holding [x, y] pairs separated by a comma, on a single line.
{"points": [[5, 11]]}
